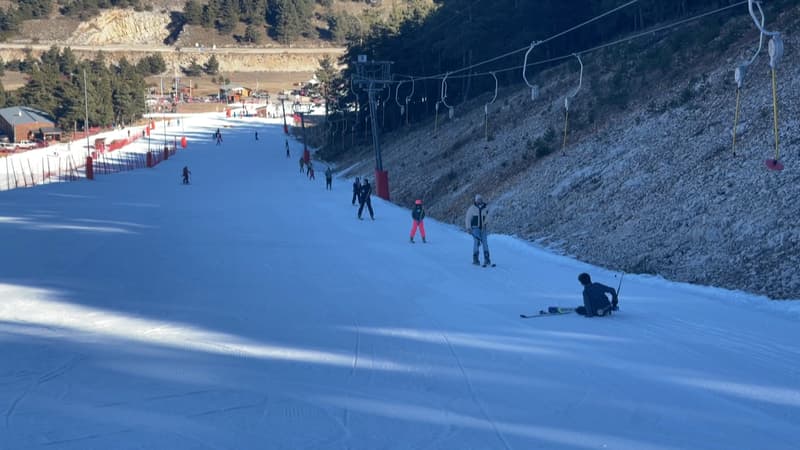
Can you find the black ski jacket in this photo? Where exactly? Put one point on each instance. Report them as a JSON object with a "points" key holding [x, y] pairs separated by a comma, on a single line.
{"points": [[363, 194], [594, 297], [418, 213]]}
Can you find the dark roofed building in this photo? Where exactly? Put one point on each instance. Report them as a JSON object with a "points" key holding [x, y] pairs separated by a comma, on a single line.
{"points": [[21, 123]]}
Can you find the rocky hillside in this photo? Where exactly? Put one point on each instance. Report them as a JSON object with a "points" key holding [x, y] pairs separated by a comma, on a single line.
{"points": [[653, 188], [135, 34]]}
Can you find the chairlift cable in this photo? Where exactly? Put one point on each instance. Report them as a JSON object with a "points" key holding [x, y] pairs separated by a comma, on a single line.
{"points": [[608, 44], [548, 39]]}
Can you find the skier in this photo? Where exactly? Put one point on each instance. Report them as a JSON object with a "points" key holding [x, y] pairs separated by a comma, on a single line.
{"points": [[356, 190], [364, 199], [475, 223], [418, 215], [186, 173], [256, 135], [219, 137], [287, 149], [595, 301], [328, 179], [310, 171], [302, 165]]}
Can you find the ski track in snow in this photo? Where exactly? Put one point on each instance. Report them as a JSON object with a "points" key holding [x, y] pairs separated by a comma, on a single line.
{"points": [[50, 375], [472, 394], [268, 376]]}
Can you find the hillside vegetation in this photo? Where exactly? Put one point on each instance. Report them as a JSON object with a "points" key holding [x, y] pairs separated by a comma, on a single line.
{"points": [[184, 22], [648, 181]]}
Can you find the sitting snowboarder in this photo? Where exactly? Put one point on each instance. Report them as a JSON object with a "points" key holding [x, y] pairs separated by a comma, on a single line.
{"points": [[595, 300]]}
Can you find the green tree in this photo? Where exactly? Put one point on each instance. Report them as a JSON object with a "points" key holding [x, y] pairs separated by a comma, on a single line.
{"points": [[193, 69], [151, 65], [34, 9], [290, 19], [127, 86], [251, 34], [193, 12], [211, 66], [67, 63], [3, 96], [37, 91], [9, 23], [228, 16], [210, 13], [327, 74]]}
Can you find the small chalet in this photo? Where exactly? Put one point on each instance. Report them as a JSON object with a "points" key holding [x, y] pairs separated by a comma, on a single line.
{"points": [[21, 123], [233, 93]]}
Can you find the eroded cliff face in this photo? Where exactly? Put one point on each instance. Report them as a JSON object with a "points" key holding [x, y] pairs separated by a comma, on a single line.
{"points": [[122, 26]]}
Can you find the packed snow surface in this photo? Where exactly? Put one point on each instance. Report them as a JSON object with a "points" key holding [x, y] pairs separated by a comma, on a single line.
{"points": [[252, 310]]}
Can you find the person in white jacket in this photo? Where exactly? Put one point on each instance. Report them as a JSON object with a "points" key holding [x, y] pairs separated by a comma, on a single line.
{"points": [[475, 223]]}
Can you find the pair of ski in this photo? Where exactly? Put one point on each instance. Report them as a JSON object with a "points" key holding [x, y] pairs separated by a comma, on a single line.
{"points": [[550, 311]]}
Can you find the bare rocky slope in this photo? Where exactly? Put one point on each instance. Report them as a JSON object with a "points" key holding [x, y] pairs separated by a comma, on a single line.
{"points": [[651, 189]]}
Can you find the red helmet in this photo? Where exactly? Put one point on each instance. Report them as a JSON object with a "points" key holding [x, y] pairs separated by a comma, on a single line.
{"points": [[418, 202]]}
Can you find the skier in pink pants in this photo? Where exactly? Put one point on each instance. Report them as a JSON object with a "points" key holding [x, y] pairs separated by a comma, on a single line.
{"points": [[418, 214]]}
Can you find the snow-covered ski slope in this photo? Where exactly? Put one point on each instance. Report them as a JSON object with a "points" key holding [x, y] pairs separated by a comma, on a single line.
{"points": [[252, 310]]}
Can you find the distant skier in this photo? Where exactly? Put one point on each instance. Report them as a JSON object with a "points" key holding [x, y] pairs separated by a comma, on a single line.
{"points": [[287, 149], [186, 172], [219, 137], [328, 179], [418, 215], [302, 165], [310, 171], [356, 190], [256, 135], [475, 223], [364, 199], [595, 301]]}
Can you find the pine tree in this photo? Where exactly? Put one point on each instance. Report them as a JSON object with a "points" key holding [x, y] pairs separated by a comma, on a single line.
{"points": [[290, 18], [251, 34], [210, 13], [327, 74], [211, 66], [192, 12], [228, 16]]}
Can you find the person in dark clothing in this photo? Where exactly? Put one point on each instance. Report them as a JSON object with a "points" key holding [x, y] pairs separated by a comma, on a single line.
{"points": [[356, 190], [310, 171], [418, 215], [287, 149], [186, 172], [595, 300], [364, 199], [256, 135], [328, 179], [476, 224]]}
